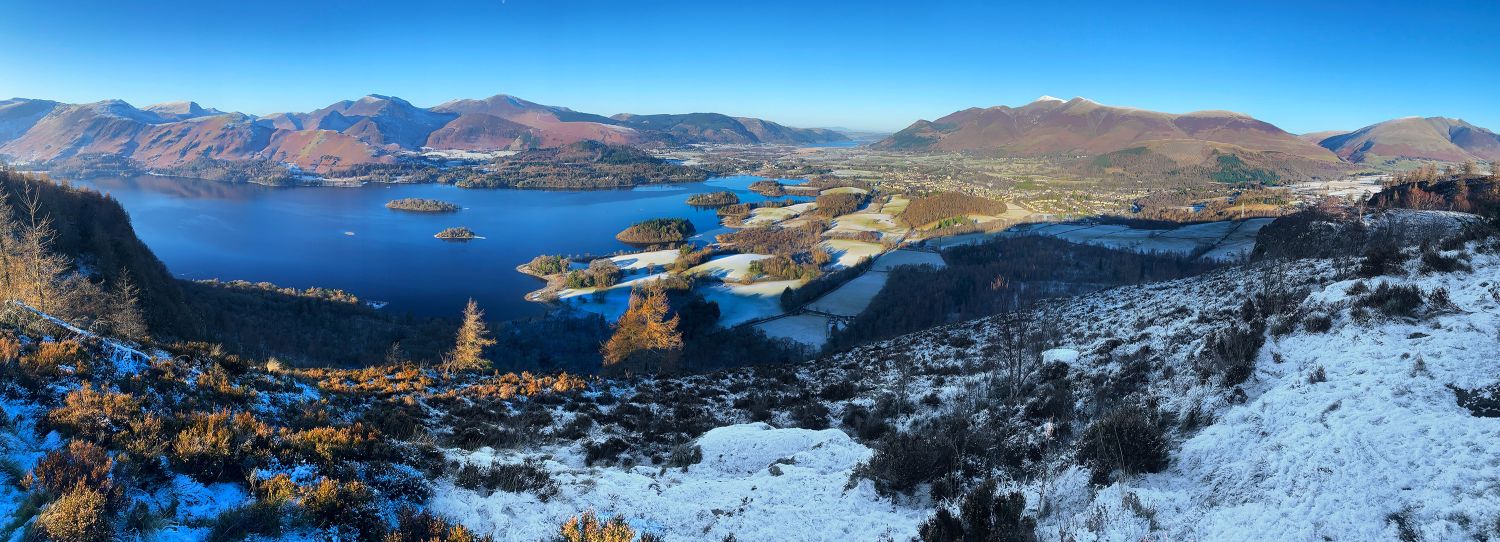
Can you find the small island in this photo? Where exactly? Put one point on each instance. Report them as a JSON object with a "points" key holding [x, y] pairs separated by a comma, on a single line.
{"points": [[713, 199], [457, 234], [422, 205], [657, 230], [768, 188]]}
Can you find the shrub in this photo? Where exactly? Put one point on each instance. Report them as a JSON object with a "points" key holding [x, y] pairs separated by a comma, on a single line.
{"points": [[811, 415], [1231, 352], [347, 507], [52, 359], [83, 514], [241, 522], [904, 460], [1381, 259], [588, 528], [1435, 262], [983, 516], [94, 415], [526, 477], [80, 464], [1318, 323], [1393, 300], [866, 425], [10, 348], [1125, 440], [220, 445], [424, 526]]}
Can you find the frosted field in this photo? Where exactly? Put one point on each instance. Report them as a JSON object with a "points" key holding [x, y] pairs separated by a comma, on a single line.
{"points": [[801, 498], [740, 303], [867, 221], [853, 297], [639, 260], [808, 329], [734, 267], [845, 190], [895, 205], [848, 252], [897, 258], [766, 216]]}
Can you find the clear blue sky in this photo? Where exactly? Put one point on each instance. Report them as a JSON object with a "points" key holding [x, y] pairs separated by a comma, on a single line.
{"points": [[1301, 65]]}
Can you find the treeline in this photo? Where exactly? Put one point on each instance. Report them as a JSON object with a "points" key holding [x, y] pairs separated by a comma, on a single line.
{"points": [[547, 264], [68, 230], [998, 276], [457, 233], [238, 171], [422, 205], [775, 240], [785, 267], [713, 199], [582, 165], [657, 230], [315, 327], [929, 209], [832, 205], [601, 273], [1463, 193]]}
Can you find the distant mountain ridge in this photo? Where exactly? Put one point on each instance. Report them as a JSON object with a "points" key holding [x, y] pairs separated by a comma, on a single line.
{"points": [[371, 129], [1429, 138], [1051, 125]]}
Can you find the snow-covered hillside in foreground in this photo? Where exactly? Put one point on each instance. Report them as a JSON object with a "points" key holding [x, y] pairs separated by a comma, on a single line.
{"points": [[1353, 433], [1315, 399]]}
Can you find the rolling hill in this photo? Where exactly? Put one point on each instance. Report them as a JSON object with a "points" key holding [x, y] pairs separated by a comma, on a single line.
{"points": [[370, 130], [1429, 138]]}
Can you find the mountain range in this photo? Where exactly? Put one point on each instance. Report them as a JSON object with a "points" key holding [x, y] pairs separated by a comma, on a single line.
{"points": [[1431, 138], [372, 129], [1084, 127]]}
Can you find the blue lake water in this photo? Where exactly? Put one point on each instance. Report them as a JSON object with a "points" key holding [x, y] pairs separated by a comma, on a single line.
{"points": [[345, 238]]}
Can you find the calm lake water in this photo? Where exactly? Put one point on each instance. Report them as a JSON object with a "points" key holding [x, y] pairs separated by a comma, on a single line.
{"points": [[345, 238]]}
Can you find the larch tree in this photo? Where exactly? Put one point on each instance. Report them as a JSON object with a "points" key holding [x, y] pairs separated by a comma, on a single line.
{"points": [[473, 338], [124, 317], [644, 333]]}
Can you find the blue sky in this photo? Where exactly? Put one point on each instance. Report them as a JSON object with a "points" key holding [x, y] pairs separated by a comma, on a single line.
{"points": [[1301, 65]]}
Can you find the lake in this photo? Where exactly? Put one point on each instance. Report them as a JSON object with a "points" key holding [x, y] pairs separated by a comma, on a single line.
{"points": [[345, 238]]}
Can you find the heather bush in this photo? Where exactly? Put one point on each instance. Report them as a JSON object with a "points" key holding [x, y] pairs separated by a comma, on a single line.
{"points": [[423, 526], [53, 359], [94, 414], [83, 514], [1126, 440], [982, 516], [221, 445], [80, 464], [1393, 300], [347, 508]]}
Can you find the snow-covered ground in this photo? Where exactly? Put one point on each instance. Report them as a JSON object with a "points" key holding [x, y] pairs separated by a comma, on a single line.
{"points": [[1380, 438], [755, 482], [808, 329], [731, 268], [740, 303], [848, 252]]}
